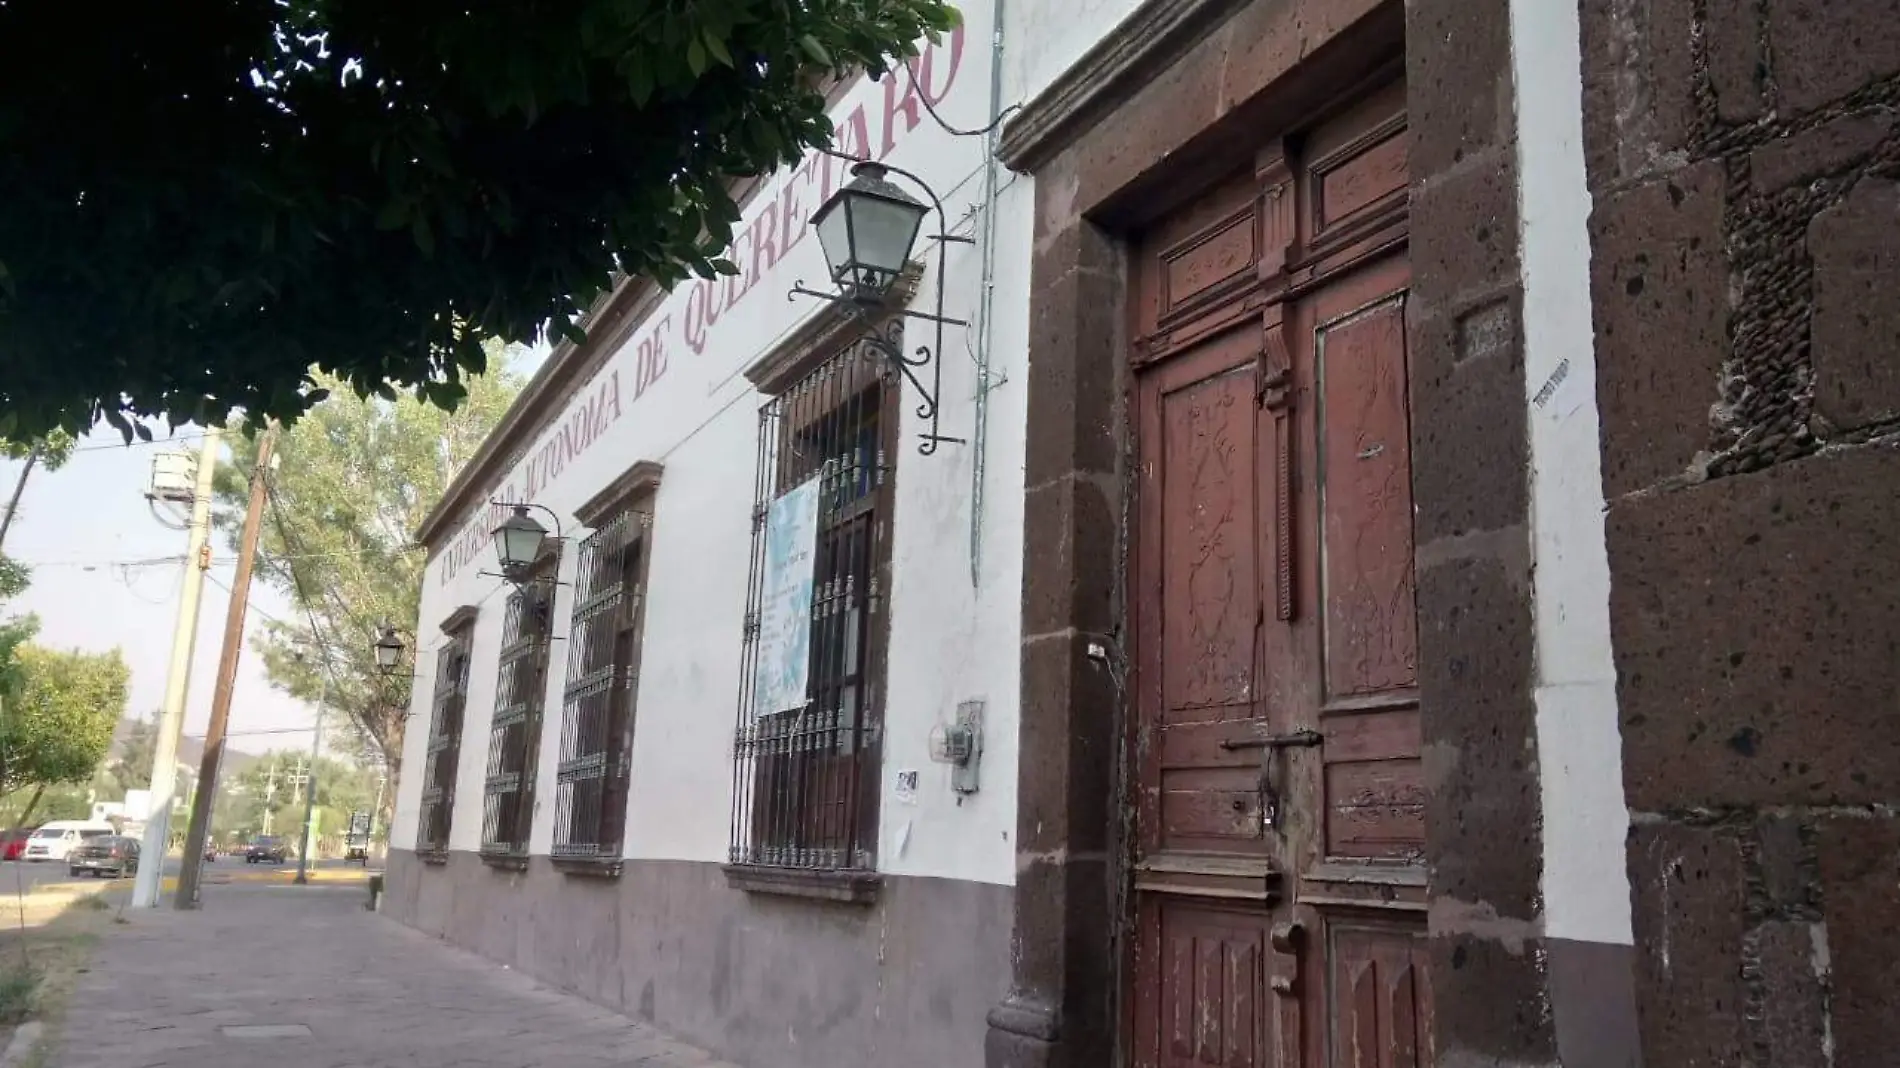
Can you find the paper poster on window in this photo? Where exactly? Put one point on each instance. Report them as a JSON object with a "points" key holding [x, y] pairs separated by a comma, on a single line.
{"points": [[791, 537]]}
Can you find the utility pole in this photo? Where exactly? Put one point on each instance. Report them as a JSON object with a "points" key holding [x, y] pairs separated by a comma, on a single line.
{"points": [[270, 793], [310, 784], [171, 715], [193, 864]]}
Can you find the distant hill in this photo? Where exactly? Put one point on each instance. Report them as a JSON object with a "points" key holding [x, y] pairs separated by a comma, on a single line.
{"points": [[191, 751]]}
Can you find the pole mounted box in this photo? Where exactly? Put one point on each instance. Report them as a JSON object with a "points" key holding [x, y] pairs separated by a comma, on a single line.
{"points": [[174, 477]]}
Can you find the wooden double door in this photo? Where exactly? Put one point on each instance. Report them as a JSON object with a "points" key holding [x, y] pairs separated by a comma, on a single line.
{"points": [[1278, 870]]}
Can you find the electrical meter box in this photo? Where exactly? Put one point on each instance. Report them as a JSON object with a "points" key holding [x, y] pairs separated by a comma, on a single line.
{"points": [[174, 477]]}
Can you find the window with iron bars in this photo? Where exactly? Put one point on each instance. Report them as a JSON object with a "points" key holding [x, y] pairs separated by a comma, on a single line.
{"points": [[597, 717], [805, 778], [444, 752], [514, 734]]}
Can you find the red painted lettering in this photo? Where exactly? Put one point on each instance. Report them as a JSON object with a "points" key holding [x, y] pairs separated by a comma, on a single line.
{"points": [[649, 368], [791, 210], [924, 73], [854, 138], [613, 394], [900, 100], [734, 286], [763, 234], [696, 319]]}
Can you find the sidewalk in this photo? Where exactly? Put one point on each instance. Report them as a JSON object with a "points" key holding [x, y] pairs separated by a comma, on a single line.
{"points": [[306, 978]]}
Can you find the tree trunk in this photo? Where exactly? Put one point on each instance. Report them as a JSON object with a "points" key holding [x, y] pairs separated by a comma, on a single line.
{"points": [[26, 814], [19, 487]]}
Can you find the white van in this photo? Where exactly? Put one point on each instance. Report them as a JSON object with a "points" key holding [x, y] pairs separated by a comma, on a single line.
{"points": [[55, 840]]}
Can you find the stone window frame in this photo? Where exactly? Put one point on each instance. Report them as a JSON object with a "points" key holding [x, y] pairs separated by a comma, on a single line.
{"points": [[608, 616], [448, 716], [521, 669], [831, 341]]}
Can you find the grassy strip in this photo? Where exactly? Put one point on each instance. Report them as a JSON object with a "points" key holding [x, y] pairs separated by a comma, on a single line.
{"points": [[42, 961]]}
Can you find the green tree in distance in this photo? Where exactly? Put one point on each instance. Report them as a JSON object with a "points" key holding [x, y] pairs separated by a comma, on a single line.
{"points": [[268, 787], [59, 722], [132, 770], [373, 188], [354, 480]]}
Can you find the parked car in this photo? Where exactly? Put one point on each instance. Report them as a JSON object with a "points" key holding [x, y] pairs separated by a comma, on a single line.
{"points": [[56, 840], [113, 854], [267, 850], [13, 842]]}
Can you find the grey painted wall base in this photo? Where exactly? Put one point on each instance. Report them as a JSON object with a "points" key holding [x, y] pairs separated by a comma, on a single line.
{"points": [[766, 981]]}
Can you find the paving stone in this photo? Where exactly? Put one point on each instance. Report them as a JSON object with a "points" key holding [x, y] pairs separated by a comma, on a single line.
{"points": [[312, 980]]}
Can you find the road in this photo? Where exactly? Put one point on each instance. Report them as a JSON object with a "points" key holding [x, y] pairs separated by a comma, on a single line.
{"points": [[20, 876]]}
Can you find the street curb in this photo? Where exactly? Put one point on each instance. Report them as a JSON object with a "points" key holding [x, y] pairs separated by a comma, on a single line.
{"points": [[25, 1037]]}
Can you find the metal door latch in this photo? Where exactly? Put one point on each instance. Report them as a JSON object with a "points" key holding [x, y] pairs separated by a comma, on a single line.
{"points": [[1304, 738], [1269, 744]]}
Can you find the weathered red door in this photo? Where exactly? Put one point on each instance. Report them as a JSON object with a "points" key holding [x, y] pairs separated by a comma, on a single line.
{"points": [[1279, 879]]}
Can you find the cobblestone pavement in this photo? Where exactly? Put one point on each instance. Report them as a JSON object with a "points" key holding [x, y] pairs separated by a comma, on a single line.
{"points": [[305, 977]]}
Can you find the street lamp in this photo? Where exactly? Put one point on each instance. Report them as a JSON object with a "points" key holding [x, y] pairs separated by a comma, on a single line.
{"points": [[867, 230], [518, 542], [388, 650]]}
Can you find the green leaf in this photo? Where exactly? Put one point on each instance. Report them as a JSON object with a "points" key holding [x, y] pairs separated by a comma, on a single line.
{"points": [[717, 46], [425, 237], [640, 83], [815, 50], [696, 57], [393, 216], [725, 266]]}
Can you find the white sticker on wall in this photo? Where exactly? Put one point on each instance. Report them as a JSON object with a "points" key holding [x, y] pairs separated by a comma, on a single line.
{"points": [[907, 786]]}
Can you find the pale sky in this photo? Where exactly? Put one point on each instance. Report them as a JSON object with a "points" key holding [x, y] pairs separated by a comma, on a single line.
{"points": [[79, 527]]}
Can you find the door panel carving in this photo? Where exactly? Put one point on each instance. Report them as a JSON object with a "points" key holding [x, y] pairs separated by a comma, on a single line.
{"points": [[1211, 988], [1381, 997], [1208, 546], [1365, 478]]}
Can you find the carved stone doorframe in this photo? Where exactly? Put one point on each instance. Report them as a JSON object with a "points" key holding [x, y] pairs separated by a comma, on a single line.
{"points": [[1109, 150]]}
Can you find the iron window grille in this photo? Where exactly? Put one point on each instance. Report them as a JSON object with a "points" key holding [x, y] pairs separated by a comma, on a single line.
{"points": [[514, 734], [443, 753], [597, 717], [805, 778]]}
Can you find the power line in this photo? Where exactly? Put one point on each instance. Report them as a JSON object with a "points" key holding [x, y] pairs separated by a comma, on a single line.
{"points": [[178, 439], [159, 561], [226, 587]]}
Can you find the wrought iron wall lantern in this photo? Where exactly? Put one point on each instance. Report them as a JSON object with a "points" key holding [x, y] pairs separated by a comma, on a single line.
{"points": [[519, 540], [867, 230], [389, 649]]}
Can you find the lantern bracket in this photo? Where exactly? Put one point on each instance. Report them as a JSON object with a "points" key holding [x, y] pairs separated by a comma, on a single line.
{"points": [[885, 343]]}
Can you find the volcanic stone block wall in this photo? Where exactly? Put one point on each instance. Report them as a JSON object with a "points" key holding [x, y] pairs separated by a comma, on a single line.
{"points": [[1744, 160]]}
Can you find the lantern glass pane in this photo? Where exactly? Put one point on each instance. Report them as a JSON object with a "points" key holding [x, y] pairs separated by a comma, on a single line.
{"points": [[883, 232], [834, 236], [518, 544]]}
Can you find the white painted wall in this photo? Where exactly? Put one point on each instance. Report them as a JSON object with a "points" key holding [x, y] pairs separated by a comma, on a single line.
{"points": [[951, 639], [1579, 744], [1054, 34]]}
